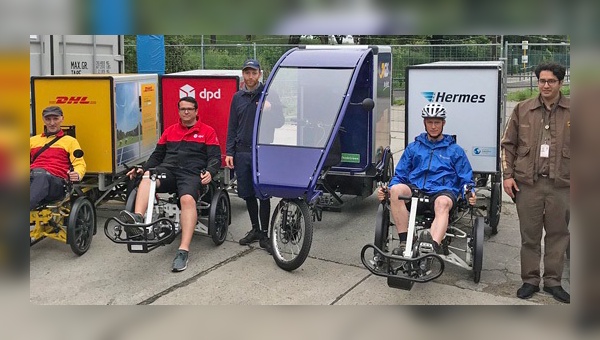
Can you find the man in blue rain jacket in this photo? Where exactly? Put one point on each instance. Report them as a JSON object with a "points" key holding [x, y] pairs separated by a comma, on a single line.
{"points": [[435, 165]]}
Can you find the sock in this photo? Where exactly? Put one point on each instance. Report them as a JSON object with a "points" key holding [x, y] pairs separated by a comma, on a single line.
{"points": [[403, 236], [252, 207], [265, 211]]}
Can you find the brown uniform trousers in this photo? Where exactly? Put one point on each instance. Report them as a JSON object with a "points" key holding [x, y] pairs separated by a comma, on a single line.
{"points": [[543, 206]]}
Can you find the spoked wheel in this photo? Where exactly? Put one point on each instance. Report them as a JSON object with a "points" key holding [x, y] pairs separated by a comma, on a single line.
{"points": [[82, 222], [495, 207], [218, 219], [477, 248], [382, 227], [291, 233]]}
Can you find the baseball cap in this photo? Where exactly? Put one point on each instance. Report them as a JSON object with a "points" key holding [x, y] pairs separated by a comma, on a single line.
{"points": [[252, 63], [52, 111]]}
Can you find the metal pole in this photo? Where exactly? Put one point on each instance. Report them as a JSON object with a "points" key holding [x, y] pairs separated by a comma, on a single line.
{"points": [[254, 46], [93, 54], [202, 52]]}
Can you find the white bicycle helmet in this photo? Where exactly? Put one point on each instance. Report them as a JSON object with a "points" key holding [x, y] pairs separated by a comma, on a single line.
{"points": [[433, 110]]}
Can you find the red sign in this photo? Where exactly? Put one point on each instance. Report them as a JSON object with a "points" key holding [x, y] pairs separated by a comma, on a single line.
{"points": [[214, 95]]}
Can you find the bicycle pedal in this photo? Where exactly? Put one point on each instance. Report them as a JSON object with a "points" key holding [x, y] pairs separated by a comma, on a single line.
{"points": [[426, 247]]}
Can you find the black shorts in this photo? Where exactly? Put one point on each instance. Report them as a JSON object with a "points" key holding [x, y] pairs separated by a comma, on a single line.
{"points": [[180, 181], [432, 197], [242, 164]]}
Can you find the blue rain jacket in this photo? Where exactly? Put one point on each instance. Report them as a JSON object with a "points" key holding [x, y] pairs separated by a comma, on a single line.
{"points": [[434, 166]]}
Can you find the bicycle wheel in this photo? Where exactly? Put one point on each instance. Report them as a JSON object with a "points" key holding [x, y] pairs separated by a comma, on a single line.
{"points": [[495, 207], [388, 171], [218, 219], [291, 233], [477, 248], [82, 222], [130, 203], [382, 227]]}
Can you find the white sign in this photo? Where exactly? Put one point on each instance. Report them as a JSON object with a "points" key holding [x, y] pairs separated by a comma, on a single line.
{"points": [[470, 96], [525, 44], [525, 58]]}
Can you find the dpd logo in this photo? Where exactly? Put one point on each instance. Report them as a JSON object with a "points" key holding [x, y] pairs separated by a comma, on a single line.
{"points": [[208, 95]]}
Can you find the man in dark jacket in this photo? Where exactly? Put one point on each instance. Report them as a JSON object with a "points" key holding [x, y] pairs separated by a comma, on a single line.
{"points": [[436, 165], [182, 152], [239, 148]]}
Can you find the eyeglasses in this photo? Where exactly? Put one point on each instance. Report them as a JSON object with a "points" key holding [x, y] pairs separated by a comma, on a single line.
{"points": [[550, 82], [184, 109]]}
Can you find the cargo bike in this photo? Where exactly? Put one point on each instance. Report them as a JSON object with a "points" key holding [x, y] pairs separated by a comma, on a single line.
{"points": [[334, 142]]}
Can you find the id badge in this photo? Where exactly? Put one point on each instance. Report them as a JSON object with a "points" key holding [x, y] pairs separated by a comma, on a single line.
{"points": [[545, 151]]}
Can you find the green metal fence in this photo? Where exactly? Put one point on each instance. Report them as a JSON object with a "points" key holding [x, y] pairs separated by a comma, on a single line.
{"points": [[231, 56]]}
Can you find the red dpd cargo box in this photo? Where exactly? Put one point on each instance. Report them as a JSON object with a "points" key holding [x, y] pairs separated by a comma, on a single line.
{"points": [[213, 93]]}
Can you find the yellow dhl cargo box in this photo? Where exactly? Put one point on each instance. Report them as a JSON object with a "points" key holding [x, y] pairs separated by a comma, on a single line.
{"points": [[115, 116]]}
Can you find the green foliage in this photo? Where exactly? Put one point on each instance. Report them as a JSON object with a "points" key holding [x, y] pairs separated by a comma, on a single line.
{"points": [[518, 96], [399, 102]]}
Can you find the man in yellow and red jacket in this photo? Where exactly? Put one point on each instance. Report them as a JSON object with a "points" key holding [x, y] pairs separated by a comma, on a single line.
{"points": [[50, 167]]}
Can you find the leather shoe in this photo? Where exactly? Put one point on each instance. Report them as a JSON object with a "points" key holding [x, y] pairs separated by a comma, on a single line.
{"points": [[527, 290], [558, 293]]}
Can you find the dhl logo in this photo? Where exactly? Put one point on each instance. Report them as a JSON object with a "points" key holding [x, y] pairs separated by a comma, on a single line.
{"points": [[148, 88], [72, 100]]}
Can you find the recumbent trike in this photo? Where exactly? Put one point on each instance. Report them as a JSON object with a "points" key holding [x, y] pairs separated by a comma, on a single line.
{"points": [[419, 263], [71, 220], [161, 224]]}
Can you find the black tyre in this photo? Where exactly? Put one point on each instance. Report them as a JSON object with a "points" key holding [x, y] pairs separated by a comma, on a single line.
{"points": [[495, 207], [388, 171], [477, 248], [382, 227], [130, 203], [218, 219], [291, 233], [81, 225]]}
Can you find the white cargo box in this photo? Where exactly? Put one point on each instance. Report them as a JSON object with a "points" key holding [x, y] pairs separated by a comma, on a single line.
{"points": [[471, 92]]}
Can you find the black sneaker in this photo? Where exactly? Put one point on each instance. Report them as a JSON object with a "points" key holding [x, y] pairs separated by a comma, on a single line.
{"points": [[527, 290], [265, 243], [428, 245], [132, 218], [181, 260], [251, 237], [558, 293]]}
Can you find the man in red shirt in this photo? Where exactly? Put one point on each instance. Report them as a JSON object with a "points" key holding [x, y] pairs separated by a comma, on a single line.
{"points": [[182, 152]]}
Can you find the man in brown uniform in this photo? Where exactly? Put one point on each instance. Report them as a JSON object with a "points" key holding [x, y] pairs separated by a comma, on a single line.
{"points": [[536, 159]]}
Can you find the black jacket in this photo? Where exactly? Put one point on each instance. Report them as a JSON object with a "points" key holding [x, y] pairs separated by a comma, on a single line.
{"points": [[193, 148], [242, 114]]}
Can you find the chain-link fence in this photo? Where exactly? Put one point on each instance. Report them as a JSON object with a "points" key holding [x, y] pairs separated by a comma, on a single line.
{"points": [[231, 56]]}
